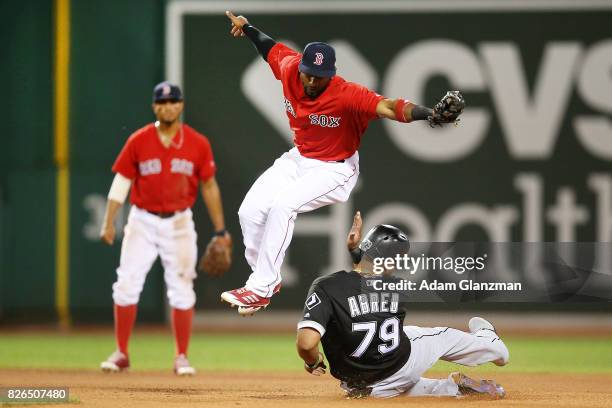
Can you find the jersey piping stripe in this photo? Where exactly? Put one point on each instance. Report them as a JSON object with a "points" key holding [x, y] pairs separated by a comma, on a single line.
{"points": [[292, 217], [492, 341], [491, 330], [430, 335]]}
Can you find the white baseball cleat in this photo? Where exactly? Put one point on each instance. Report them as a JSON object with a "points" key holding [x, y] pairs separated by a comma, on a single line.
{"points": [[182, 366]]}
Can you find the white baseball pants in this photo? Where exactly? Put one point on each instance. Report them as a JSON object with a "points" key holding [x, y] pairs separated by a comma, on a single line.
{"points": [[293, 185], [430, 344], [145, 237]]}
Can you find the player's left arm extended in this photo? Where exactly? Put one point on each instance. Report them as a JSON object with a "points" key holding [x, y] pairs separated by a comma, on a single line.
{"points": [[212, 198], [241, 27], [308, 348], [446, 111]]}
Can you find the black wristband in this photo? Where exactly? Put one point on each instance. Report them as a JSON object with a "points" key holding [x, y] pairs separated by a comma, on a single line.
{"points": [[421, 112], [221, 233], [261, 41]]}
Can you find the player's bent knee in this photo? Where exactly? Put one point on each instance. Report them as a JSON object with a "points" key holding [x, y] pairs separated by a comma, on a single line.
{"points": [[504, 356], [184, 303], [282, 207]]}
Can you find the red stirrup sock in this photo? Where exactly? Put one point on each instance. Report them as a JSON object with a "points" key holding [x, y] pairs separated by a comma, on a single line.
{"points": [[181, 326], [125, 316]]}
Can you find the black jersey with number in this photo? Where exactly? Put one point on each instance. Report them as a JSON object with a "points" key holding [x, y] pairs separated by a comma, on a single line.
{"points": [[360, 324]]}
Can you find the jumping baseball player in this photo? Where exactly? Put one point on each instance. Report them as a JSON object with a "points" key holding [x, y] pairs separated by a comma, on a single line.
{"points": [[328, 116], [164, 163], [371, 352]]}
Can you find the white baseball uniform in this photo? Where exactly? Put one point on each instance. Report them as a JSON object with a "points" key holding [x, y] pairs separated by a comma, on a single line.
{"points": [[322, 169]]}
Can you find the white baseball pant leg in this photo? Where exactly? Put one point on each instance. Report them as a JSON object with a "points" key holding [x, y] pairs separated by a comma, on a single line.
{"points": [[253, 212], [178, 250], [430, 344], [293, 185], [145, 237]]}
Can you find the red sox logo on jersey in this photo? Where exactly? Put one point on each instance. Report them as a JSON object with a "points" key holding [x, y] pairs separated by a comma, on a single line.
{"points": [[324, 120], [181, 166], [152, 166], [289, 108], [318, 58]]}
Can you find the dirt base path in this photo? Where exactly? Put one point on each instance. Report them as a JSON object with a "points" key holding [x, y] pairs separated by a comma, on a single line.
{"points": [[240, 389]]}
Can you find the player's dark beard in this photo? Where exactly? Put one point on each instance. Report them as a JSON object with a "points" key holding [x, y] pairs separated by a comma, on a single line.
{"points": [[313, 93]]}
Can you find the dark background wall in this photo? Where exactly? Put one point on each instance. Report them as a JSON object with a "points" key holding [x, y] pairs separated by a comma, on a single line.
{"points": [[27, 183]]}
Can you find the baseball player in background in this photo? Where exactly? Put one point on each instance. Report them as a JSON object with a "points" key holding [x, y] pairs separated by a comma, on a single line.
{"points": [[371, 352], [328, 116], [164, 163]]}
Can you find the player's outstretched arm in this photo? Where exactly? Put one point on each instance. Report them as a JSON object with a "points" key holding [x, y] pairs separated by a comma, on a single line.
{"points": [[308, 348], [242, 28], [447, 110]]}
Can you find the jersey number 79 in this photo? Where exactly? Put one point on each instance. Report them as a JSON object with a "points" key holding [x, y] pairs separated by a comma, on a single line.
{"points": [[388, 333]]}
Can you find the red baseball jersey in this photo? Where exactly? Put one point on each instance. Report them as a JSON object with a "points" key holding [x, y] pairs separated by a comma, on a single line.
{"points": [[330, 126], [165, 179]]}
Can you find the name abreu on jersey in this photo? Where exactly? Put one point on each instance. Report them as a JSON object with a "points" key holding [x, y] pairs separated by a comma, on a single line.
{"points": [[377, 302]]}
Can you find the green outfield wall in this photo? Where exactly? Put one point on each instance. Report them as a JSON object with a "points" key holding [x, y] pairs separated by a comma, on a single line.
{"points": [[530, 161]]}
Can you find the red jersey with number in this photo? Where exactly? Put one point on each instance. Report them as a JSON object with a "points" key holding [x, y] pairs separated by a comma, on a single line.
{"points": [[330, 126], [165, 179]]}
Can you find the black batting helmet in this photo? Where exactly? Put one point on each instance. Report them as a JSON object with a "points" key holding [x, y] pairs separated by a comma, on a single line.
{"points": [[382, 241]]}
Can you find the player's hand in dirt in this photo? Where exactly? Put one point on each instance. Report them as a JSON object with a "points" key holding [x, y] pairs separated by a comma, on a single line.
{"points": [[237, 23], [354, 235], [108, 234], [318, 368]]}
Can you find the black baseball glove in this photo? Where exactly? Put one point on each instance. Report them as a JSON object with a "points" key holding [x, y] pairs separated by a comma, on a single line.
{"points": [[447, 110]]}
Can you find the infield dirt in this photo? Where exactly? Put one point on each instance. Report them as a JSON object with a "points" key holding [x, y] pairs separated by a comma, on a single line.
{"points": [[264, 389]]}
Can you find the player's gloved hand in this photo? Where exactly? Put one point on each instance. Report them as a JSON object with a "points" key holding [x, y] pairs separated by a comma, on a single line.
{"points": [[237, 23], [448, 109], [217, 257], [318, 367]]}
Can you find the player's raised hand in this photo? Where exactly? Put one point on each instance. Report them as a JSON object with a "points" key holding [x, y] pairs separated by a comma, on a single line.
{"points": [[107, 235], [237, 23], [354, 235]]}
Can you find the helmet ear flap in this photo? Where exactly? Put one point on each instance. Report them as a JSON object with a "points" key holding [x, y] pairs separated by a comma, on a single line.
{"points": [[356, 254]]}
